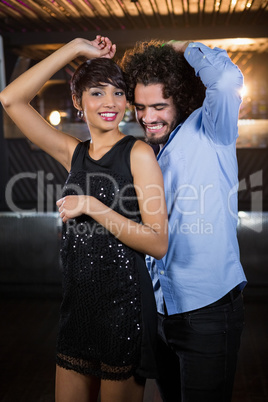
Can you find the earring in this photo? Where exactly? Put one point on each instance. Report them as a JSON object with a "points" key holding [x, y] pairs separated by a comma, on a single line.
{"points": [[80, 114]]}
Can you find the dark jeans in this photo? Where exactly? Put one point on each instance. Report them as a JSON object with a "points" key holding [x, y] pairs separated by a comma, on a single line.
{"points": [[198, 352]]}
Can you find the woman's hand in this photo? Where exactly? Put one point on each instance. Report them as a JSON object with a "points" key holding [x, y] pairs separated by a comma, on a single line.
{"points": [[100, 47], [105, 43], [72, 206]]}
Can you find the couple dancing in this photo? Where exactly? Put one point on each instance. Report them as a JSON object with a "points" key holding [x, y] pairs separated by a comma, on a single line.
{"points": [[177, 317]]}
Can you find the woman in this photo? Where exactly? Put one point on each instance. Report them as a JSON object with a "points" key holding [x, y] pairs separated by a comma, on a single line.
{"points": [[113, 212]]}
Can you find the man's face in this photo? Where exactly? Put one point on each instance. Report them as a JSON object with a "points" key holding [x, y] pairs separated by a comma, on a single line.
{"points": [[154, 113]]}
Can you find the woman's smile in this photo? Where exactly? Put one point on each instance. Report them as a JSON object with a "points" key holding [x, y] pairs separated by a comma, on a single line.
{"points": [[108, 116]]}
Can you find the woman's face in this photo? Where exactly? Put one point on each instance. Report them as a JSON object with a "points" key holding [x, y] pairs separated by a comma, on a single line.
{"points": [[103, 107]]}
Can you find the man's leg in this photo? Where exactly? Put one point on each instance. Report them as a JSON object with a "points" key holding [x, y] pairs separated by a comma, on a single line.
{"points": [[206, 342], [168, 380]]}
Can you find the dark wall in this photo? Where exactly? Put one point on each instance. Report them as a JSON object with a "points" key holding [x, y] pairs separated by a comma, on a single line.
{"points": [[3, 164], [38, 178], [29, 243], [253, 179], [35, 179]]}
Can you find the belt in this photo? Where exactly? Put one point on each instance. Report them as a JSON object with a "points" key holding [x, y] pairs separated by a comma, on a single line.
{"points": [[228, 298]]}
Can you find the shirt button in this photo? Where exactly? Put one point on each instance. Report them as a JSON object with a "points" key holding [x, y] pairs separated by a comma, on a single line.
{"points": [[162, 272]]}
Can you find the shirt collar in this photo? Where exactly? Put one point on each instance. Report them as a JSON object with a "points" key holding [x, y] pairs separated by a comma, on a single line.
{"points": [[172, 135]]}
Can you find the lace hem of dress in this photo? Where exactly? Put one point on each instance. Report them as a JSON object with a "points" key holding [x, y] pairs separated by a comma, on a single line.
{"points": [[94, 367]]}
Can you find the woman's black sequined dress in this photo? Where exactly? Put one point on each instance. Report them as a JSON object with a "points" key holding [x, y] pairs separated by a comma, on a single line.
{"points": [[108, 315]]}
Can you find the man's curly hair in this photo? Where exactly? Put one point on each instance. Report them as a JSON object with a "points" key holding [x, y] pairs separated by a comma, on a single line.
{"points": [[157, 63]]}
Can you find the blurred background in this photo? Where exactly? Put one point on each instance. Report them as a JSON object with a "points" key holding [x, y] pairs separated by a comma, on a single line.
{"points": [[31, 181]]}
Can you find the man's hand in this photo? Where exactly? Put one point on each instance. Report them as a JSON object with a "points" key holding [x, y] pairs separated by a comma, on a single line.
{"points": [[179, 46]]}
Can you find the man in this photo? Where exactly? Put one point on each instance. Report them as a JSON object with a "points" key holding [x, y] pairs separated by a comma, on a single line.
{"points": [[187, 100]]}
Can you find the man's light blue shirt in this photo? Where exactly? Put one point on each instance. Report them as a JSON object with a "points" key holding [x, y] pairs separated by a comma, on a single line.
{"points": [[200, 173]]}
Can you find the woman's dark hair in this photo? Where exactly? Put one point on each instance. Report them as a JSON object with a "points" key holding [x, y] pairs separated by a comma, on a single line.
{"points": [[94, 73], [155, 63]]}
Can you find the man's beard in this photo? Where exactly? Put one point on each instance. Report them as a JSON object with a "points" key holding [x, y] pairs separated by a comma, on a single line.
{"points": [[159, 140]]}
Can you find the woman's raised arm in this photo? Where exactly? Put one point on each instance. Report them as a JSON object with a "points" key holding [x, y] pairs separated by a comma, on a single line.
{"points": [[16, 97]]}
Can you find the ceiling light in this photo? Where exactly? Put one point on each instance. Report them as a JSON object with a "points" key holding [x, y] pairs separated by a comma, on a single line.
{"points": [[242, 41], [55, 118]]}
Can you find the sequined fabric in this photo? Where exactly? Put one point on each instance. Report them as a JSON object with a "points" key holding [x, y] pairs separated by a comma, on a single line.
{"points": [[101, 326]]}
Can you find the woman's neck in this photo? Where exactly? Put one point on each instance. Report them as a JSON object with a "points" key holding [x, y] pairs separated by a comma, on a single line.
{"points": [[102, 142]]}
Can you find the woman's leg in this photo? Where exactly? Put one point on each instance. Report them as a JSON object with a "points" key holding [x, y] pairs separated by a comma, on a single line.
{"points": [[74, 387], [128, 390]]}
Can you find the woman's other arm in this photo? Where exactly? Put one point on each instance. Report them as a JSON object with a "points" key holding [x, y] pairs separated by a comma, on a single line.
{"points": [[150, 236]]}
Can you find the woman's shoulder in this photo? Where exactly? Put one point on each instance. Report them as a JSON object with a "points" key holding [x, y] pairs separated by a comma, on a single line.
{"points": [[143, 158], [142, 150]]}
